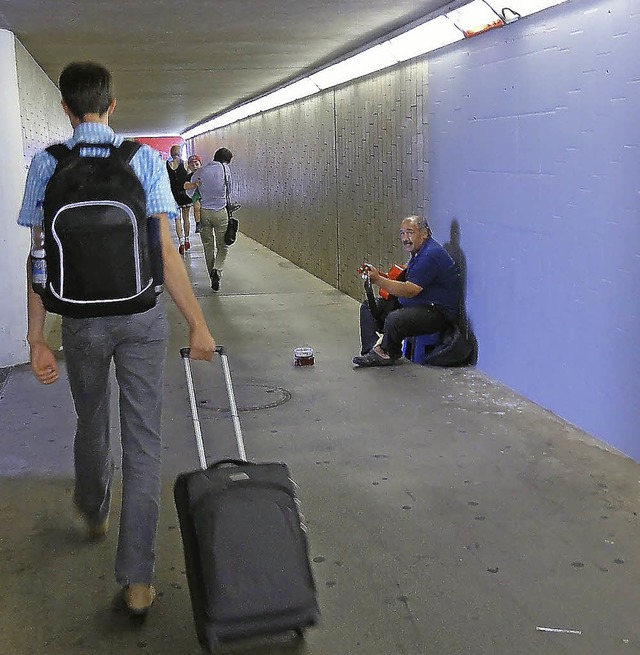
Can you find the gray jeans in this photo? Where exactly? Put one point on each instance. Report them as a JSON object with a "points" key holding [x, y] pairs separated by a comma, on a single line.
{"points": [[213, 225], [137, 345]]}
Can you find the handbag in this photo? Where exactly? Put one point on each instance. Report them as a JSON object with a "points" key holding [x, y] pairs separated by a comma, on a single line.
{"points": [[231, 232], [459, 347]]}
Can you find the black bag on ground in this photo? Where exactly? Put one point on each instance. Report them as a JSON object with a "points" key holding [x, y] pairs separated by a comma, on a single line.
{"points": [[103, 253], [456, 348], [245, 546]]}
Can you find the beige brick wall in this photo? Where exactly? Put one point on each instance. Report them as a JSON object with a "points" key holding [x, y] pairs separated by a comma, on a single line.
{"points": [[325, 181]]}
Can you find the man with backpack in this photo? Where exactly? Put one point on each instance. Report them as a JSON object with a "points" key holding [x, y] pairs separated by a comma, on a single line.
{"points": [[103, 205]]}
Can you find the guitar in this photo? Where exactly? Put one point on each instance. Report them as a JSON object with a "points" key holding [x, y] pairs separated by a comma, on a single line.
{"points": [[396, 272]]}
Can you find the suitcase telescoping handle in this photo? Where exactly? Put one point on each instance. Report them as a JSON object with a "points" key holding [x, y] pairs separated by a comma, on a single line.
{"points": [[184, 353]]}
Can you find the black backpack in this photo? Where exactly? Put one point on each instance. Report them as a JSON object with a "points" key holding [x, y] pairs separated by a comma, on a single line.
{"points": [[457, 348], [103, 254]]}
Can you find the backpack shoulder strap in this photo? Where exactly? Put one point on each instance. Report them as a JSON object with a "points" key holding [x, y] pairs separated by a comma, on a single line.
{"points": [[127, 149], [226, 182], [59, 151]]}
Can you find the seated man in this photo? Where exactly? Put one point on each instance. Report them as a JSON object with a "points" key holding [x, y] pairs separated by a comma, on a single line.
{"points": [[426, 301]]}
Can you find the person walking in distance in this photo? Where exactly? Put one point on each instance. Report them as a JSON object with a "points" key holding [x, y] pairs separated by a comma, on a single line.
{"points": [[178, 175], [135, 342], [214, 184], [194, 162]]}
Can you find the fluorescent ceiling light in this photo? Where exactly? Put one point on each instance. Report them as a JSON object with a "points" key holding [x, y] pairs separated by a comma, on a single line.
{"points": [[522, 7], [159, 135], [295, 91], [374, 59], [427, 37], [224, 119], [234, 115], [199, 129], [475, 17]]}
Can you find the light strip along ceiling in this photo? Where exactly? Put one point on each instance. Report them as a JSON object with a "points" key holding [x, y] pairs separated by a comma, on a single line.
{"points": [[465, 22]]}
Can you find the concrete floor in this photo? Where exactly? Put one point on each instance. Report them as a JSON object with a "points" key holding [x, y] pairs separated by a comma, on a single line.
{"points": [[446, 514]]}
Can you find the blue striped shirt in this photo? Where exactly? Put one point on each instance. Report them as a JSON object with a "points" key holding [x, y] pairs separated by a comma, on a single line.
{"points": [[146, 163]]}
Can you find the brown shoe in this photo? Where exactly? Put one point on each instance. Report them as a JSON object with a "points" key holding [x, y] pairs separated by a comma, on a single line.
{"points": [[98, 531], [138, 598], [373, 359]]}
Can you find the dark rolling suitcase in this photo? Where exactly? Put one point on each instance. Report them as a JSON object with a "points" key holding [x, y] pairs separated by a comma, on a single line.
{"points": [[245, 546]]}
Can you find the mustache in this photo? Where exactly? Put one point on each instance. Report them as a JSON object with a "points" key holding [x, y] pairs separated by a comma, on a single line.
{"points": [[407, 243]]}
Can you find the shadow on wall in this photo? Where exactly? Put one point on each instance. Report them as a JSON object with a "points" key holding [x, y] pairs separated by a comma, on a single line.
{"points": [[454, 249]]}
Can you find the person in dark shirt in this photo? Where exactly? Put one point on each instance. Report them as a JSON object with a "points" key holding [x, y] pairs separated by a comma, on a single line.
{"points": [[178, 175], [425, 301], [194, 163]]}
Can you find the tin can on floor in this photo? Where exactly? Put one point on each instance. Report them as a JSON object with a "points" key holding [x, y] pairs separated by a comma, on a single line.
{"points": [[303, 356]]}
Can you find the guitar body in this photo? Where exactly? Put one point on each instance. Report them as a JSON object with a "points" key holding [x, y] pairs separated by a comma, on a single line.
{"points": [[396, 272]]}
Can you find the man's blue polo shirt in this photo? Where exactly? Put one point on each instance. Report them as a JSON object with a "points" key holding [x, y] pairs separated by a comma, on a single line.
{"points": [[146, 163], [433, 269]]}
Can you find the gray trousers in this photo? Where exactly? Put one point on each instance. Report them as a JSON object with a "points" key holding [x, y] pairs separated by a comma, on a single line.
{"points": [[137, 345], [213, 225]]}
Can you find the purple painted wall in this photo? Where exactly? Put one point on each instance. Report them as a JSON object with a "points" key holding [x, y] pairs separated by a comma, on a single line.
{"points": [[534, 148]]}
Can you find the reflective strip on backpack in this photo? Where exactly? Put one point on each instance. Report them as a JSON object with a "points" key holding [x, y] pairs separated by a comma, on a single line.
{"points": [[134, 223], [94, 302]]}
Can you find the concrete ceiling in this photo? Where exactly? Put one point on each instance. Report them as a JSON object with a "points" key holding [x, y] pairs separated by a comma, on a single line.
{"points": [[175, 63]]}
